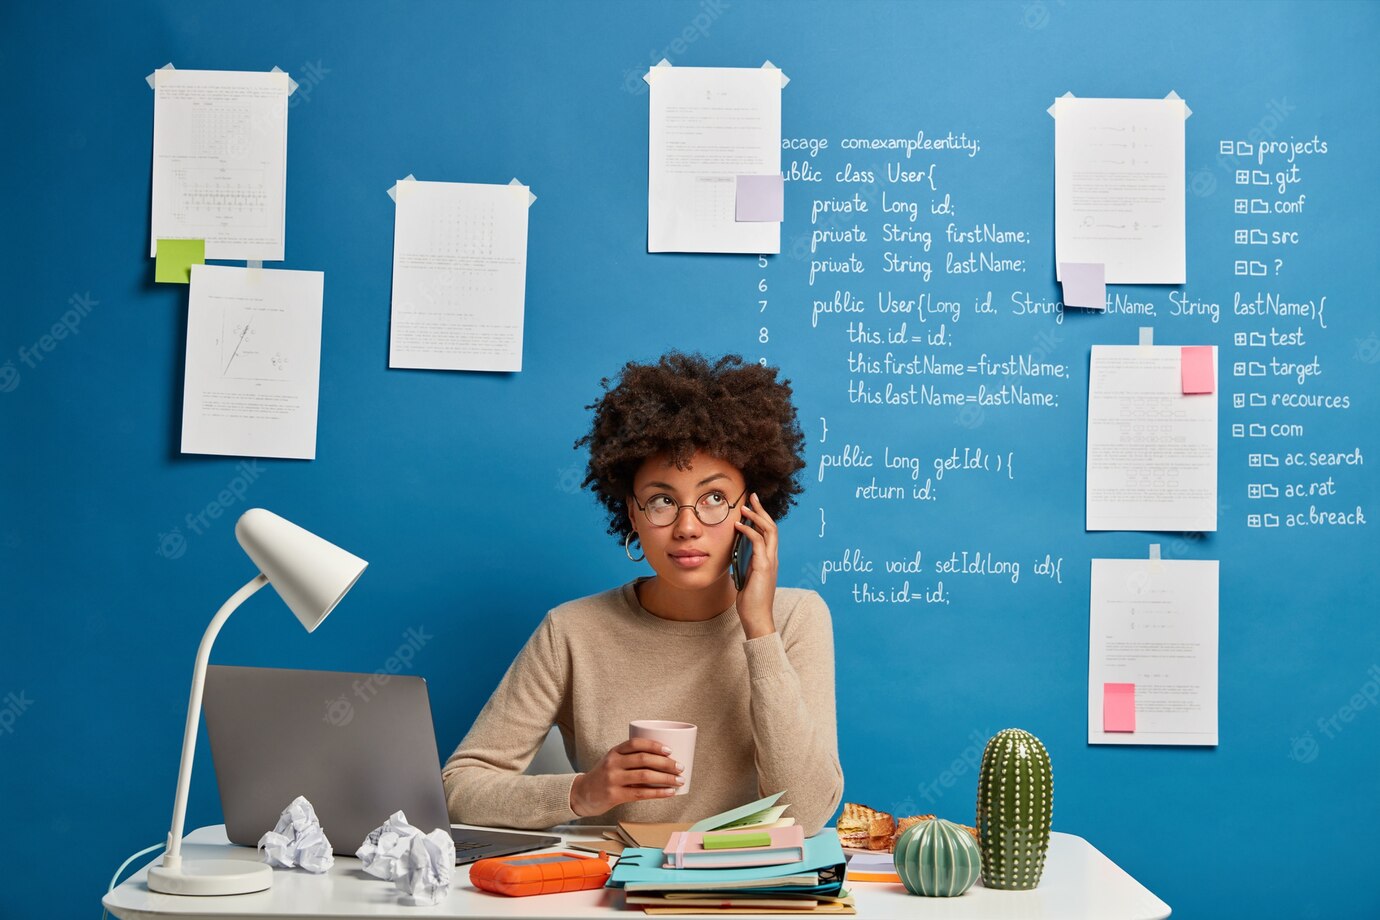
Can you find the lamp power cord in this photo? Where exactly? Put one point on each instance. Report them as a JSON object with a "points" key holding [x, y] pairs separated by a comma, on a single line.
{"points": [[114, 879]]}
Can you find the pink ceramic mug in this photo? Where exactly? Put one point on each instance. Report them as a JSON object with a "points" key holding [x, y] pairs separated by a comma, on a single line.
{"points": [[678, 736]]}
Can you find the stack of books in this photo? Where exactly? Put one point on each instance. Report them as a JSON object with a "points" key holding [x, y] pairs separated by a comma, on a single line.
{"points": [[734, 849], [764, 814], [747, 860]]}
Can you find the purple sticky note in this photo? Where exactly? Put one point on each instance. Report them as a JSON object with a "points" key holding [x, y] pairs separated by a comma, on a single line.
{"points": [[1195, 367], [1085, 284], [760, 198], [1118, 707]]}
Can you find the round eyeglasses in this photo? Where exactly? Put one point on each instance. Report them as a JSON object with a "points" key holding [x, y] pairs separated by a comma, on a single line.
{"points": [[711, 508]]}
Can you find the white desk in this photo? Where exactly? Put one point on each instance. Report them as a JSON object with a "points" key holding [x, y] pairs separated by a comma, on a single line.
{"points": [[1078, 882]]}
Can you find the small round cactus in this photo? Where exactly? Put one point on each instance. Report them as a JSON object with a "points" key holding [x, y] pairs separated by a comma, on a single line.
{"points": [[1015, 802], [937, 859]]}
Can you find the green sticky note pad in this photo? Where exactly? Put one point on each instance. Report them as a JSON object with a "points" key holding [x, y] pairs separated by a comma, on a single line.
{"points": [[176, 258], [740, 839]]}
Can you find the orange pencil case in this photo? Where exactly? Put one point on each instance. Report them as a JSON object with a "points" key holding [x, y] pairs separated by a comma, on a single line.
{"points": [[540, 873]]}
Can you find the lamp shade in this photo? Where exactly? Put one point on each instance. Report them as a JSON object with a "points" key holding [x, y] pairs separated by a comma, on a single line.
{"points": [[310, 574]]}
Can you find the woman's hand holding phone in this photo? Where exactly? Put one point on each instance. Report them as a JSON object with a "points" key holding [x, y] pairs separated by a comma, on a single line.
{"points": [[757, 592]]}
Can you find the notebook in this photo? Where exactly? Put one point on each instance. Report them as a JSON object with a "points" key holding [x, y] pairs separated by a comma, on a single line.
{"points": [[686, 849], [823, 858], [873, 867]]}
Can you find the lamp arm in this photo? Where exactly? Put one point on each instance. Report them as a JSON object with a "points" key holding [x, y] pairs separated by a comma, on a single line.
{"points": [[172, 856]]}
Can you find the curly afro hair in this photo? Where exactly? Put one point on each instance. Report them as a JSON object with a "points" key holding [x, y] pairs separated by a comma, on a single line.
{"points": [[735, 411]]}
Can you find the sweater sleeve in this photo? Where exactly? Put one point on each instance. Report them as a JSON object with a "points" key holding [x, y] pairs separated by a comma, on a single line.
{"points": [[794, 725], [483, 779]]}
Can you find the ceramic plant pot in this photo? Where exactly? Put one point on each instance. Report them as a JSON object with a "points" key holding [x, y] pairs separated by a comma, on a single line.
{"points": [[1015, 802], [937, 859]]}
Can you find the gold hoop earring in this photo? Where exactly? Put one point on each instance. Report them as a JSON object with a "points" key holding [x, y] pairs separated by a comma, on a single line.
{"points": [[627, 549]]}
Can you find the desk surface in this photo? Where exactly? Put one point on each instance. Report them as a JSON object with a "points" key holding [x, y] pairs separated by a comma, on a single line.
{"points": [[1078, 882]]}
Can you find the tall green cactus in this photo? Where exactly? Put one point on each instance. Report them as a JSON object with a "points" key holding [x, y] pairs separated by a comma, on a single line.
{"points": [[1015, 803]]}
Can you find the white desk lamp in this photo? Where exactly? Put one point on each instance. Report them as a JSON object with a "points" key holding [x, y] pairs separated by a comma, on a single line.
{"points": [[311, 576]]}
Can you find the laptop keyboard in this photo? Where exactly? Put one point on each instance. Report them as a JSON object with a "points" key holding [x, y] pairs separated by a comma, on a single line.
{"points": [[471, 845]]}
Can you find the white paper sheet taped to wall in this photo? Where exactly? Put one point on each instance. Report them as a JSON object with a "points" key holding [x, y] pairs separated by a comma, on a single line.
{"points": [[1153, 630], [459, 275], [707, 127], [253, 362], [220, 160], [1119, 187], [1152, 449]]}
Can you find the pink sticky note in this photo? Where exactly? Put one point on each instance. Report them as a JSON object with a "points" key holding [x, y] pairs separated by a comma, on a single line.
{"points": [[1195, 366], [1118, 707], [1085, 284], [760, 198]]}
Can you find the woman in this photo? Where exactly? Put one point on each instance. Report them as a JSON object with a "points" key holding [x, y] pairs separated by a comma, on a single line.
{"points": [[690, 459]]}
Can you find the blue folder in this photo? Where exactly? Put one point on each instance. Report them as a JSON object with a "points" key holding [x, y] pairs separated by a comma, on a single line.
{"points": [[823, 855]]}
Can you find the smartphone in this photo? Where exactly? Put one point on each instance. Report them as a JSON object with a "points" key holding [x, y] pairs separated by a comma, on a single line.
{"points": [[742, 557]]}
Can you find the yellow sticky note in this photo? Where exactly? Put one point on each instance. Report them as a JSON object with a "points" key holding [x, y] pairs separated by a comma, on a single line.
{"points": [[176, 258]]}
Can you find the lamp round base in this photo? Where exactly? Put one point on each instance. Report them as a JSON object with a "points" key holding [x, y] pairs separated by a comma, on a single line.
{"points": [[208, 877]]}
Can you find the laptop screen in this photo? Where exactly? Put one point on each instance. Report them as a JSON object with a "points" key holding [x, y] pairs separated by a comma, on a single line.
{"points": [[357, 746]]}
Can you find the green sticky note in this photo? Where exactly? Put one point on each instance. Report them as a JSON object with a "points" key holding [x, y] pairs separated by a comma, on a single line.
{"points": [[738, 839], [176, 258]]}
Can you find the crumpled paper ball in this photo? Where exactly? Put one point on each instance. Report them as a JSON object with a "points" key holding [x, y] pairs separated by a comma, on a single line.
{"points": [[384, 852], [430, 867], [298, 840]]}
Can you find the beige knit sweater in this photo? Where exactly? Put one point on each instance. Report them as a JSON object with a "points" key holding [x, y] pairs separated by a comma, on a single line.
{"points": [[764, 707]]}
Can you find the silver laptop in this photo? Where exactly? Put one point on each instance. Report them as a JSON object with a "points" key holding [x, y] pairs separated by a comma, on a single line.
{"points": [[357, 747]]}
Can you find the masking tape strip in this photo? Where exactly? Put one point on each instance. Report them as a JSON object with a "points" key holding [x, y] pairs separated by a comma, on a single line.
{"points": [[531, 199], [768, 65], [1147, 336], [1055, 104], [1154, 557], [647, 77], [393, 189], [292, 84], [152, 79], [1171, 95]]}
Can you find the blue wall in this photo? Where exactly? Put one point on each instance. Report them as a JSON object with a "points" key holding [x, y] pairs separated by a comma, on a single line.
{"points": [[460, 488]]}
